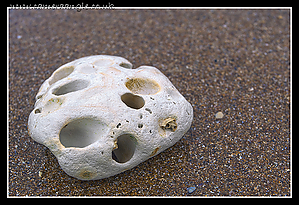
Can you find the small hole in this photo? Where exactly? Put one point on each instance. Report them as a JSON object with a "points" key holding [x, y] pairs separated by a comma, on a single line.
{"points": [[126, 144], [140, 116], [125, 65], [140, 125], [37, 111], [132, 101], [169, 124], [118, 125], [147, 109]]}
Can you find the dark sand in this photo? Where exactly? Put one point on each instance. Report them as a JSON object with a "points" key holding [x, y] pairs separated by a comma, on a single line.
{"points": [[232, 61]]}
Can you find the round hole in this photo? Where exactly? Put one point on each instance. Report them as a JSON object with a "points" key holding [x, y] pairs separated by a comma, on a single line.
{"points": [[37, 111], [143, 86], [126, 144], [82, 132], [132, 101]]}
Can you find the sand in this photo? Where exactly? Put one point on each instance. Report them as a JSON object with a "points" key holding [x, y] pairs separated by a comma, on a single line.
{"points": [[232, 61]]}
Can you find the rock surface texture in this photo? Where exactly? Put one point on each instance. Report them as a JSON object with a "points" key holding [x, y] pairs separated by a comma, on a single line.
{"points": [[100, 117]]}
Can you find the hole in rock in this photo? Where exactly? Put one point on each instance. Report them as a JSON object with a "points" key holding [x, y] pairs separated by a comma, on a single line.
{"points": [[132, 101], [72, 86], [143, 86], [126, 144], [39, 96], [60, 74], [125, 65], [37, 111], [169, 124], [149, 110], [82, 132]]}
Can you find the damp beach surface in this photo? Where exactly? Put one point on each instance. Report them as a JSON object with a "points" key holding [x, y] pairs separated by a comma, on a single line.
{"points": [[236, 62]]}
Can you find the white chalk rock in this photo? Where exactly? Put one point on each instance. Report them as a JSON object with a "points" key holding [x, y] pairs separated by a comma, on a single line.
{"points": [[100, 117]]}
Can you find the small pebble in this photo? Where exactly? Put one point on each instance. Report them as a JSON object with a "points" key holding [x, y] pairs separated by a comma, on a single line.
{"points": [[191, 189], [219, 115]]}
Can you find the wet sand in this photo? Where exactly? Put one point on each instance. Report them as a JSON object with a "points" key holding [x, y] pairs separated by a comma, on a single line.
{"points": [[234, 62]]}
